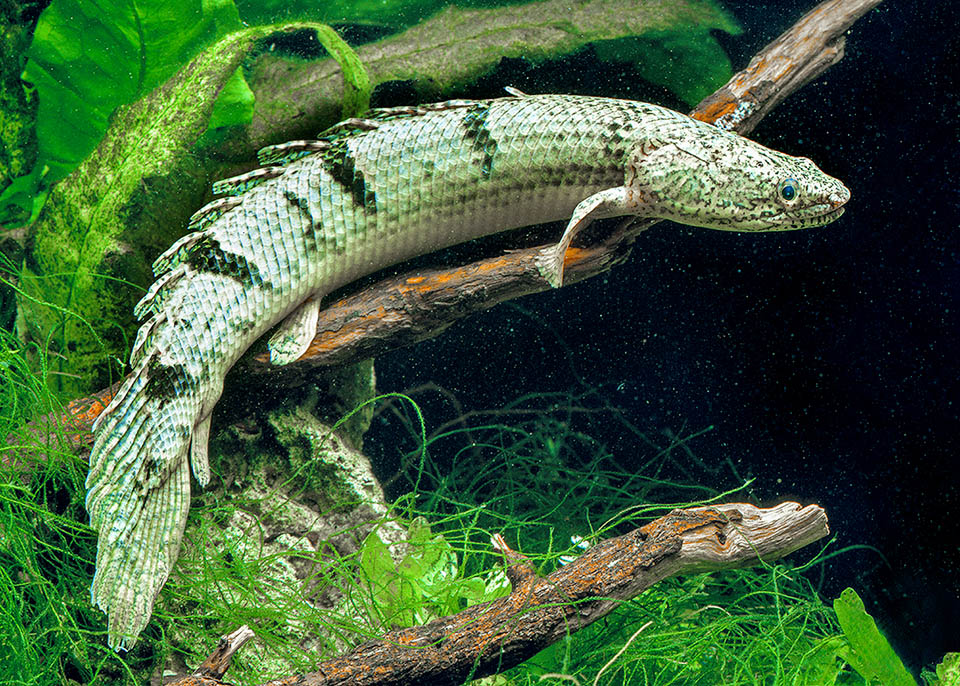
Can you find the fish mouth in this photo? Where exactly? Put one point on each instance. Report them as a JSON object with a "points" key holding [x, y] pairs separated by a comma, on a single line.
{"points": [[808, 217], [820, 215]]}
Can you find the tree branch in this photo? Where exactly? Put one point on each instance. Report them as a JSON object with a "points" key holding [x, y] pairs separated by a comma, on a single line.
{"points": [[495, 636]]}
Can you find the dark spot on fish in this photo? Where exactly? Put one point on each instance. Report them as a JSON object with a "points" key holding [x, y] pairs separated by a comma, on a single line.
{"points": [[245, 328], [302, 207], [339, 163], [166, 382], [476, 131], [206, 255], [298, 202]]}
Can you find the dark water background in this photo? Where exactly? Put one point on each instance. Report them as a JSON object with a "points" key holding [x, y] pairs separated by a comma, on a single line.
{"points": [[826, 360]]}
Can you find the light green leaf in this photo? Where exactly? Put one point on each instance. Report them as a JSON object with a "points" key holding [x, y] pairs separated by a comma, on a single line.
{"points": [[947, 672], [89, 57], [375, 561], [22, 197], [868, 651], [234, 105], [686, 58], [821, 666]]}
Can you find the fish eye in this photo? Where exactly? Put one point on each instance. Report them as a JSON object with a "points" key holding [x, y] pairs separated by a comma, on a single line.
{"points": [[789, 189]]}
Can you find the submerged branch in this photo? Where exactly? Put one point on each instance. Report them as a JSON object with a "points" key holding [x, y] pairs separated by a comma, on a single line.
{"points": [[810, 47], [492, 637]]}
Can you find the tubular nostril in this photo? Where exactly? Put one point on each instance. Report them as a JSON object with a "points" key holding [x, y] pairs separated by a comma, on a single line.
{"points": [[837, 199]]}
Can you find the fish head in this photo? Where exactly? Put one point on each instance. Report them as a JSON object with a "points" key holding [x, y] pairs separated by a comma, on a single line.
{"points": [[720, 180]]}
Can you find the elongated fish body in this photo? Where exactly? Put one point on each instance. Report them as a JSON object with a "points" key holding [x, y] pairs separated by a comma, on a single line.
{"points": [[367, 194]]}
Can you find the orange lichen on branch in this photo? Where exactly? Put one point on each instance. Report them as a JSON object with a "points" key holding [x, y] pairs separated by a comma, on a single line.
{"points": [[714, 110], [69, 429], [493, 636], [83, 412]]}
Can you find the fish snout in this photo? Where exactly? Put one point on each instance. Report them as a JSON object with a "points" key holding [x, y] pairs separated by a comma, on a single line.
{"points": [[839, 197]]}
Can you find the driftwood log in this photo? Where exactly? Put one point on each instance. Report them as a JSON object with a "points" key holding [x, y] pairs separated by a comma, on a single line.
{"points": [[494, 636]]}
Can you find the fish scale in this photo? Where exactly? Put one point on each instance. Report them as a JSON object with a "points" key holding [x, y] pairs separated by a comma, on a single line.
{"points": [[369, 193]]}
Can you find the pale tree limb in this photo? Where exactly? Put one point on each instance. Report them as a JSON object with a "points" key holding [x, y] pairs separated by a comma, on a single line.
{"points": [[492, 637], [810, 47]]}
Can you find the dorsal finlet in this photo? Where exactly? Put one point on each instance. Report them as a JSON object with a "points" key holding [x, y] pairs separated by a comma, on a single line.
{"points": [[374, 118], [237, 185], [285, 153], [211, 212]]}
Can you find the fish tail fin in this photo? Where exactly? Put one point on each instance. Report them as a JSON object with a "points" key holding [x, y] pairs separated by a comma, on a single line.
{"points": [[132, 567], [138, 496]]}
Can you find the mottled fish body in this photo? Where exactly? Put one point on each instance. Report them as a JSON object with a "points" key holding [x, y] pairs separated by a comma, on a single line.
{"points": [[367, 194]]}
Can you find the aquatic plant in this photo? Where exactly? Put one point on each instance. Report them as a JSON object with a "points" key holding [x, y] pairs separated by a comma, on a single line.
{"points": [[766, 625]]}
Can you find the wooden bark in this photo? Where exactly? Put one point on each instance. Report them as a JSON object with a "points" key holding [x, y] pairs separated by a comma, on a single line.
{"points": [[212, 669], [418, 304], [495, 636], [810, 47]]}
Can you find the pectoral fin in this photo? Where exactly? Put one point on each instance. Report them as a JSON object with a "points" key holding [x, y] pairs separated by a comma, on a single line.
{"points": [[198, 450], [295, 334], [607, 203]]}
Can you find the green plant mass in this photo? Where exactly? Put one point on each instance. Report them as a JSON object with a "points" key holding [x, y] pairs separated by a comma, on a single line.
{"points": [[866, 648], [760, 626]]}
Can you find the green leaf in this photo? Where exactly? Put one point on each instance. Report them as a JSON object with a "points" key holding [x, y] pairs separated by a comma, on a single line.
{"points": [[375, 561], [686, 58], [356, 83], [89, 57], [947, 672], [868, 651], [22, 198], [234, 105], [821, 666]]}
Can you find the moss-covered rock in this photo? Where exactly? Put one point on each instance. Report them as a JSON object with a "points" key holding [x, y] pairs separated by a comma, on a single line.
{"points": [[291, 498]]}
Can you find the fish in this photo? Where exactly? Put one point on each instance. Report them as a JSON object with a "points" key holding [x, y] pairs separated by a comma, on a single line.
{"points": [[368, 193]]}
